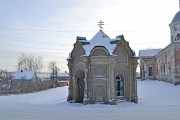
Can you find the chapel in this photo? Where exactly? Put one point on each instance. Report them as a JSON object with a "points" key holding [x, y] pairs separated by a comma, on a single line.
{"points": [[163, 64], [102, 70]]}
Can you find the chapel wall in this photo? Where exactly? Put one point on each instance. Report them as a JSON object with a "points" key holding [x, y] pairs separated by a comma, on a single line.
{"points": [[100, 66]]}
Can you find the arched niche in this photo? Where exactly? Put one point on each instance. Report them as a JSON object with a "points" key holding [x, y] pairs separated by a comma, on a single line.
{"points": [[99, 51], [99, 93]]}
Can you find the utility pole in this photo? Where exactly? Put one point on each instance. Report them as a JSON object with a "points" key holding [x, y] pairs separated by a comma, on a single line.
{"points": [[53, 73]]}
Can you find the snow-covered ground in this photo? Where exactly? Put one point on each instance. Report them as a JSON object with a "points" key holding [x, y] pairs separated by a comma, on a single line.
{"points": [[157, 101]]}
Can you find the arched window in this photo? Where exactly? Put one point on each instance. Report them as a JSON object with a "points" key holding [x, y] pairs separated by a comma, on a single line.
{"points": [[178, 36]]}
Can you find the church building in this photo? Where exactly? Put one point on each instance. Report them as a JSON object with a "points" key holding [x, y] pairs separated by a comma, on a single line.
{"points": [[163, 64], [102, 70]]}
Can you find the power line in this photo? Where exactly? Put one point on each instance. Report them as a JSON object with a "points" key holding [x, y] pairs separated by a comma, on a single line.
{"points": [[4, 36], [45, 54], [41, 30], [18, 46], [72, 31], [17, 39]]}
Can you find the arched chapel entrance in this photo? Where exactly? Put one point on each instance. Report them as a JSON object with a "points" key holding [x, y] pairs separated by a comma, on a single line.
{"points": [[80, 86], [119, 86]]}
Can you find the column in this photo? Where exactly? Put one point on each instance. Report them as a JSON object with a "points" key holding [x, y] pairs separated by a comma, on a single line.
{"points": [[70, 92], [134, 97], [112, 85], [85, 99]]}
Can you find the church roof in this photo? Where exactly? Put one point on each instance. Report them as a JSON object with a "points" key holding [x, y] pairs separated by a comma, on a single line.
{"points": [[176, 17], [100, 39], [149, 52]]}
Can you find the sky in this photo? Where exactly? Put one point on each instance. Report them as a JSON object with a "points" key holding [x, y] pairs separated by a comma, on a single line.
{"points": [[49, 28]]}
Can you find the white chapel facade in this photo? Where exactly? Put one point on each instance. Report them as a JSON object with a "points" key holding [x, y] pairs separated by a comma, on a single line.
{"points": [[102, 70]]}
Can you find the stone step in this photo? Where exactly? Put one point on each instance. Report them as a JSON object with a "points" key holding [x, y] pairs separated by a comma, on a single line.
{"points": [[121, 99]]}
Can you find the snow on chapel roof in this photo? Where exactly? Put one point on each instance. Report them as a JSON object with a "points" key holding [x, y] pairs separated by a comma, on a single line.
{"points": [[149, 52], [100, 39]]}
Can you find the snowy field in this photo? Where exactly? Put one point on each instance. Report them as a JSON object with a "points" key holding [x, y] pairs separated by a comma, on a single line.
{"points": [[157, 101]]}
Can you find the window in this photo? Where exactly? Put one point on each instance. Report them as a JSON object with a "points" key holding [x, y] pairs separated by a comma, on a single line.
{"points": [[150, 71], [170, 69], [178, 36], [164, 68]]}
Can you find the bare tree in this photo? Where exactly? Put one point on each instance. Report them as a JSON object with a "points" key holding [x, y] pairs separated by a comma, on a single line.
{"points": [[29, 62], [5, 75], [53, 68]]}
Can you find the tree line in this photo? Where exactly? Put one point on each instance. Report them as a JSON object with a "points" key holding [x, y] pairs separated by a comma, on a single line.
{"points": [[28, 62]]}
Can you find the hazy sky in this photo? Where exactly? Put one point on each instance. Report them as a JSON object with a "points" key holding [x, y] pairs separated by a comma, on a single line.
{"points": [[48, 28]]}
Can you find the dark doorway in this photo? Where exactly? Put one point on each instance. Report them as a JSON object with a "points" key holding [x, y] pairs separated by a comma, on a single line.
{"points": [[150, 71], [119, 86], [80, 86]]}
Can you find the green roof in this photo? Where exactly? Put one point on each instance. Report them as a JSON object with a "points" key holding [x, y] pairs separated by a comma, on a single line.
{"points": [[114, 42]]}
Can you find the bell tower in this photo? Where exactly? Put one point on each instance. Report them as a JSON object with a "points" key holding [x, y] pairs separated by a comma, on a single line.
{"points": [[175, 27]]}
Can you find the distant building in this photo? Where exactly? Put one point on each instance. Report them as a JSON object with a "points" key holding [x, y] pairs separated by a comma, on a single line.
{"points": [[62, 76], [62, 79], [148, 65], [102, 70], [164, 64], [25, 75]]}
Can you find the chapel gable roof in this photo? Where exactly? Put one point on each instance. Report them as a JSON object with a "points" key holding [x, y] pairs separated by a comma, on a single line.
{"points": [[100, 39]]}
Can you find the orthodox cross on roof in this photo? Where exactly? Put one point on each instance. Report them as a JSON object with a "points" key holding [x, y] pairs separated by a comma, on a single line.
{"points": [[100, 23]]}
